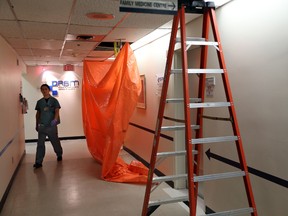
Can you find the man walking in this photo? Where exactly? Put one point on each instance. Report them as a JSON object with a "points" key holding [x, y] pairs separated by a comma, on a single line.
{"points": [[47, 119]]}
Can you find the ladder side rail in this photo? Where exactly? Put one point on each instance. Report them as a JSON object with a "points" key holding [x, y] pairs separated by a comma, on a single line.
{"points": [[232, 111], [201, 94], [160, 114], [188, 131]]}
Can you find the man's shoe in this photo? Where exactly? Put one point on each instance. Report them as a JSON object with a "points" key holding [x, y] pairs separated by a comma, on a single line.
{"points": [[59, 158], [37, 165]]}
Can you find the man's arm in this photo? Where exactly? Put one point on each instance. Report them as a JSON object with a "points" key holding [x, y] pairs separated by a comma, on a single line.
{"points": [[37, 119], [56, 116]]}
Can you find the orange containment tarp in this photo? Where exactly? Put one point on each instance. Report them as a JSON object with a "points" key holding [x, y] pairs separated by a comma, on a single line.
{"points": [[109, 96]]}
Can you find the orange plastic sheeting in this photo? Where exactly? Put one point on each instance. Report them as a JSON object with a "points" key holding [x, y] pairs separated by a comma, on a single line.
{"points": [[109, 96]]}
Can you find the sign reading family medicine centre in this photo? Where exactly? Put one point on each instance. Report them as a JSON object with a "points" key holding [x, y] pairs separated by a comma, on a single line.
{"points": [[149, 6]]}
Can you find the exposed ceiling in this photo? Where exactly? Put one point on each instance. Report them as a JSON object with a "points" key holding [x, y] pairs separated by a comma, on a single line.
{"points": [[44, 32]]}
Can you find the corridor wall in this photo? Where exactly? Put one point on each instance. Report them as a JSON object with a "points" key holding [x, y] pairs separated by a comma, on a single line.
{"points": [[11, 117], [254, 39]]}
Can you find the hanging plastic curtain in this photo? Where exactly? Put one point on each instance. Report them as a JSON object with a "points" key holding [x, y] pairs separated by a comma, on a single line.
{"points": [[109, 95]]}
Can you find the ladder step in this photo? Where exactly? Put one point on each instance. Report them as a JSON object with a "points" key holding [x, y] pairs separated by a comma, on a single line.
{"points": [[169, 178], [176, 153], [178, 127], [167, 201], [233, 212], [199, 71], [214, 139], [211, 104], [202, 178], [219, 176], [197, 41], [177, 100]]}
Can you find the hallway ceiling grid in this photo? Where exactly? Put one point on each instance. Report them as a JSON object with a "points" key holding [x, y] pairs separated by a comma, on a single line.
{"points": [[47, 32]]}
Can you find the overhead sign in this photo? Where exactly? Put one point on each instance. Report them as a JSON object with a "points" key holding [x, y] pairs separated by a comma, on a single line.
{"points": [[149, 6]]}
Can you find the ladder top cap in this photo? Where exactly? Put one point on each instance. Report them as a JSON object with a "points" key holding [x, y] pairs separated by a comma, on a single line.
{"points": [[195, 6]]}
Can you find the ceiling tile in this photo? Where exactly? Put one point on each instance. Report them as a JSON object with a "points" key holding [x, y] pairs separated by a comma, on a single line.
{"points": [[96, 59], [99, 6], [46, 29], [44, 52], [45, 44], [52, 11], [24, 52], [10, 29], [100, 54], [41, 58], [35, 30], [138, 20], [5, 11], [18, 43], [72, 59], [77, 29], [79, 45], [127, 34]]}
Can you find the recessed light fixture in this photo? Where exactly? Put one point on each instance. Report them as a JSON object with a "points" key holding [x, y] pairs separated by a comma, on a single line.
{"points": [[100, 16]]}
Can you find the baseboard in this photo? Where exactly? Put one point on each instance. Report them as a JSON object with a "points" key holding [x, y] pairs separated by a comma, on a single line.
{"points": [[4, 197], [157, 172], [61, 138]]}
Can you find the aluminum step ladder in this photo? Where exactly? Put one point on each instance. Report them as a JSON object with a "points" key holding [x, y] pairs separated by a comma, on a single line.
{"points": [[194, 146]]}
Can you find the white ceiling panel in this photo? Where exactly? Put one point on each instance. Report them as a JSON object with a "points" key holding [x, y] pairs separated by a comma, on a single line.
{"points": [[71, 58], [100, 59], [36, 30], [90, 30], [10, 29], [45, 44], [138, 20], [41, 58], [42, 30], [101, 54], [96, 6], [80, 55], [44, 62], [18, 43], [127, 34], [5, 12], [45, 52], [24, 52], [52, 11], [79, 45]]}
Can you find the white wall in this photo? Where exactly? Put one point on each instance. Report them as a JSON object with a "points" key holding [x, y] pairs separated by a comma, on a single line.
{"points": [[11, 117], [150, 60], [69, 99], [255, 44], [254, 38]]}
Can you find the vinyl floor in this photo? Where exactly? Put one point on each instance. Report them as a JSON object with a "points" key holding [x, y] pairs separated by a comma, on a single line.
{"points": [[73, 187]]}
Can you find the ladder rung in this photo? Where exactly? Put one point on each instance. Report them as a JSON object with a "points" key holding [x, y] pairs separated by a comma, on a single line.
{"points": [[232, 212], [198, 41], [177, 100], [169, 178], [214, 139], [167, 201], [178, 127], [210, 177], [199, 71], [208, 105], [218, 176], [176, 153]]}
